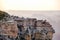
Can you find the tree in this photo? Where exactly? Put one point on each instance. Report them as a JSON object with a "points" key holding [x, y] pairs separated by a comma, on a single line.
{"points": [[3, 14]]}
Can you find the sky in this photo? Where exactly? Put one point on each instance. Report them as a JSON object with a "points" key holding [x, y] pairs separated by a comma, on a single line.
{"points": [[29, 4]]}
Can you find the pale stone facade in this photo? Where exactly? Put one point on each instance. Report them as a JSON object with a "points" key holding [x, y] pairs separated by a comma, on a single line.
{"points": [[43, 23], [29, 22], [8, 28]]}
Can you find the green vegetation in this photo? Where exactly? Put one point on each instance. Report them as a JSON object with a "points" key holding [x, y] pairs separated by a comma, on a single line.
{"points": [[2, 14]]}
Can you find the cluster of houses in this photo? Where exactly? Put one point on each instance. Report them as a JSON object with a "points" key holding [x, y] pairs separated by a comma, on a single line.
{"points": [[33, 29], [20, 28]]}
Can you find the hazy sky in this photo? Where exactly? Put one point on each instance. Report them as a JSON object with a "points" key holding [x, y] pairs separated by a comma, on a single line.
{"points": [[29, 4]]}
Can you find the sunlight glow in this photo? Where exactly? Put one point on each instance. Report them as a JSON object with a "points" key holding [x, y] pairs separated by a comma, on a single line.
{"points": [[29, 4]]}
